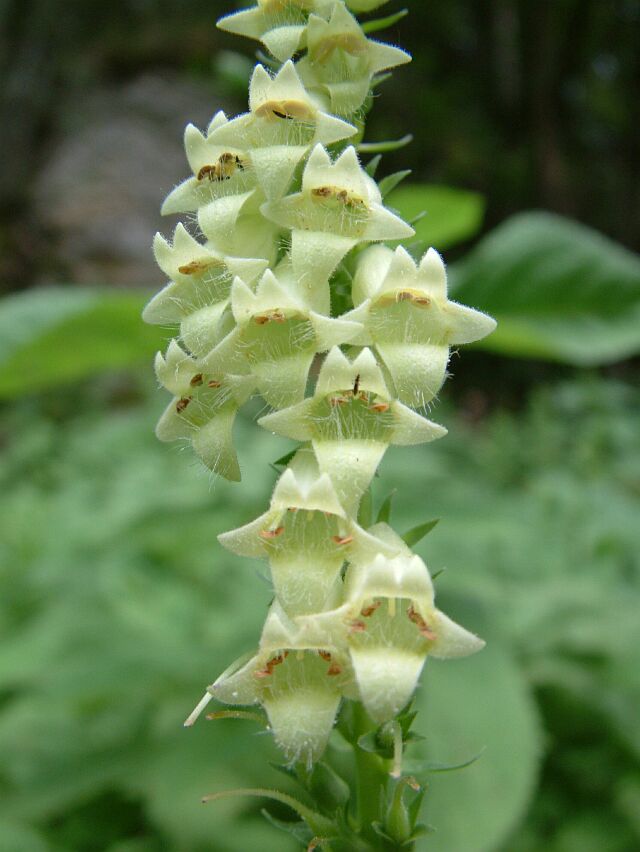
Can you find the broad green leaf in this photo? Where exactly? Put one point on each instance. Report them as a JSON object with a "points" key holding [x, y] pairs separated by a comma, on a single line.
{"points": [[452, 215], [559, 291], [478, 703], [60, 334]]}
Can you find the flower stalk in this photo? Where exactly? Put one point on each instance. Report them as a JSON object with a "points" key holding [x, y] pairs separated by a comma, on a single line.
{"points": [[289, 289]]}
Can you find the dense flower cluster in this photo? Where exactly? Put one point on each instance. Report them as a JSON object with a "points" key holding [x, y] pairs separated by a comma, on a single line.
{"points": [[285, 206]]}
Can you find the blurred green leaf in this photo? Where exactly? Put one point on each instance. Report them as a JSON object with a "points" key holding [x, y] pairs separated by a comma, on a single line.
{"points": [[469, 705], [55, 335], [559, 291], [452, 215]]}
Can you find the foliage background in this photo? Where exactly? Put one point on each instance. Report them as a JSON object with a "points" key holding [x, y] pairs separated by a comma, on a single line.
{"points": [[117, 604]]}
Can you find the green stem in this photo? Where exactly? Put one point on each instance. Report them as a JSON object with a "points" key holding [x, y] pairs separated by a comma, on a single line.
{"points": [[371, 777]]}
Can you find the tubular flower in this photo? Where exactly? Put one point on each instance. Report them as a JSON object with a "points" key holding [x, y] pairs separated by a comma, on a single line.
{"points": [[277, 336], [199, 290], [297, 681], [279, 293], [409, 319], [205, 404], [307, 536], [283, 123], [341, 61], [351, 420], [388, 625], [279, 24], [338, 207]]}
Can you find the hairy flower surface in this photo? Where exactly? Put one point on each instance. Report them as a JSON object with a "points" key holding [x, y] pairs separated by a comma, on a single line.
{"points": [[298, 682], [341, 61], [279, 24], [338, 207], [389, 624], [410, 320], [351, 420], [306, 535]]}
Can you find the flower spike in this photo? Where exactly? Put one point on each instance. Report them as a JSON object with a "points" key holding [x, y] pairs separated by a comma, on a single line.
{"points": [[278, 290]]}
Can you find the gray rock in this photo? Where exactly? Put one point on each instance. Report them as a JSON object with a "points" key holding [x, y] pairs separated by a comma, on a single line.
{"points": [[99, 192]]}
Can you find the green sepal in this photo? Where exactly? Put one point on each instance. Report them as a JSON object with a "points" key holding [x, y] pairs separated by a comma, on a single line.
{"points": [[379, 830], [420, 830], [347, 722], [287, 770], [384, 512], [433, 766], [390, 182], [328, 789], [372, 166], [383, 23], [380, 741], [414, 811], [284, 460], [398, 819], [416, 534], [299, 830]]}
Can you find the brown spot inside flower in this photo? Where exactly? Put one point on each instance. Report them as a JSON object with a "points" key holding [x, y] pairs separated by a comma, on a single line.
{"points": [[270, 534]]}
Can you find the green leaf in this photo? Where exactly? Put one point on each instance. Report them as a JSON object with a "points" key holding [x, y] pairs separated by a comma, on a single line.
{"points": [[383, 23], [559, 291], [299, 830], [372, 166], [390, 182], [386, 146], [472, 703], [384, 512], [452, 215], [316, 821], [416, 534], [56, 335]]}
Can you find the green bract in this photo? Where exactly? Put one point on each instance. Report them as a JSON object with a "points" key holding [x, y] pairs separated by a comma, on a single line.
{"points": [[286, 217]]}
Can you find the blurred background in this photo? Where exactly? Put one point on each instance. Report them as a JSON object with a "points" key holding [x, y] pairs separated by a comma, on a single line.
{"points": [[117, 605]]}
